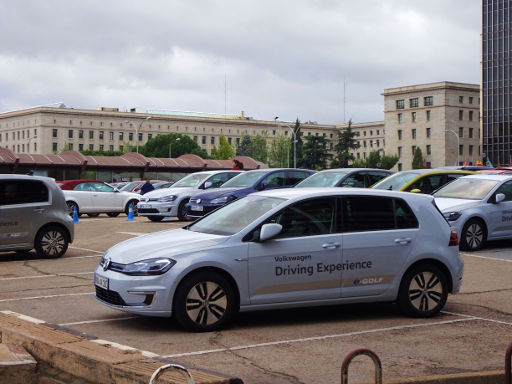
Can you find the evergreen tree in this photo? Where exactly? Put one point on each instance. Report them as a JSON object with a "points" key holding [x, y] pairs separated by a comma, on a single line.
{"points": [[388, 161], [346, 143], [260, 148], [315, 152], [246, 147], [165, 145], [279, 155], [225, 150], [417, 160]]}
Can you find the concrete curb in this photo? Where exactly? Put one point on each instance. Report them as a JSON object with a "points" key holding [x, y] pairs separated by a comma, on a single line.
{"points": [[60, 352]]}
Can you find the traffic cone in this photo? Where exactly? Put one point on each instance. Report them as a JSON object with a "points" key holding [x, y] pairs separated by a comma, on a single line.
{"points": [[130, 214], [75, 215]]}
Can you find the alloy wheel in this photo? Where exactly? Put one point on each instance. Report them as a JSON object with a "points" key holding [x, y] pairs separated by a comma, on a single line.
{"points": [[206, 303]]}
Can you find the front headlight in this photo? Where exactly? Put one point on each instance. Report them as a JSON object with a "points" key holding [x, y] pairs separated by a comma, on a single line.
{"points": [[222, 200], [167, 198], [452, 216], [145, 267]]}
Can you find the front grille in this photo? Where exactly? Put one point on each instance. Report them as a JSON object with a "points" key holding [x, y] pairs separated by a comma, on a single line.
{"points": [[147, 210], [109, 296]]}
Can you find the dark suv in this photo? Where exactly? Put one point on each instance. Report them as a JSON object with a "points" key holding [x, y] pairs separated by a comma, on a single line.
{"points": [[33, 214]]}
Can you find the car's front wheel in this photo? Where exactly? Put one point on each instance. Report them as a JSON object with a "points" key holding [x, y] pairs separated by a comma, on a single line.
{"points": [[133, 203], [473, 235], [71, 208], [204, 301], [51, 242], [182, 211], [423, 291]]}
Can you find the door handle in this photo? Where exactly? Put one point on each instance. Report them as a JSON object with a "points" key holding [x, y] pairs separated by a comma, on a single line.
{"points": [[330, 245], [403, 241], [39, 210]]}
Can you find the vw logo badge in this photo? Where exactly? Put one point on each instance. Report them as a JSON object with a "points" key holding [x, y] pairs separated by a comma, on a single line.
{"points": [[106, 264], [198, 201]]}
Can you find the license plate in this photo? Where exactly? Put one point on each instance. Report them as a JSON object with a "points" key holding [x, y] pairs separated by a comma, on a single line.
{"points": [[196, 208], [144, 205], [101, 281]]}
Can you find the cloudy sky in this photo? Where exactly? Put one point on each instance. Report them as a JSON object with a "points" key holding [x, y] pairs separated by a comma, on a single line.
{"points": [[286, 58]]}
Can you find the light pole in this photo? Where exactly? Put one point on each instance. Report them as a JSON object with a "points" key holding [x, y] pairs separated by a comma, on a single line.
{"points": [[170, 147], [137, 131], [458, 142], [294, 145]]}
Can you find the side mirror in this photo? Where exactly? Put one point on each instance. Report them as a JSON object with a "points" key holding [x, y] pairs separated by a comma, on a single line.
{"points": [[207, 184], [415, 190], [269, 231], [499, 198], [262, 186]]}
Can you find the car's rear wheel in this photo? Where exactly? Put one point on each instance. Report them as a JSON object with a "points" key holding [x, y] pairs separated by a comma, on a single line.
{"points": [[133, 203], [112, 214], [93, 214], [473, 235], [204, 301], [423, 291], [71, 207], [182, 211], [155, 218], [51, 242]]}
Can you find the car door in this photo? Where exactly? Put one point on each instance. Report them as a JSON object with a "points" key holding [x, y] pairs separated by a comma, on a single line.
{"points": [[355, 180], [378, 235], [22, 209], [302, 263], [274, 180], [105, 198], [82, 195], [500, 215]]}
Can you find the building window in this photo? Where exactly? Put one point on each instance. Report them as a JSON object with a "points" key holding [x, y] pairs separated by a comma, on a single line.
{"points": [[400, 118], [91, 147], [414, 133], [54, 132], [70, 146], [195, 139], [399, 134], [212, 140], [230, 140], [111, 135], [399, 167], [429, 150], [150, 136], [70, 133], [461, 149], [237, 141], [80, 133], [121, 148], [91, 134], [80, 147], [102, 147], [121, 135], [102, 133], [54, 147], [470, 150], [461, 114], [461, 99], [470, 135], [140, 136], [428, 101], [111, 147], [413, 117], [364, 133], [428, 132], [400, 104], [461, 132], [470, 99], [364, 143], [203, 140], [378, 133], [130, 136], [413, 148], [399, 150], [428, 115], [413, 103], [470, 116]]}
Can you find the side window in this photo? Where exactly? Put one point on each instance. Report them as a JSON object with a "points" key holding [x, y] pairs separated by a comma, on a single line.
{"points": [[374, 177], [428, 184], [218, 179], [308, 218], [404, 216], [355, 180], [22, 192], [100, 187], [367, 213], [276, 179], [81, 187], [295, 177], [506, 189]]}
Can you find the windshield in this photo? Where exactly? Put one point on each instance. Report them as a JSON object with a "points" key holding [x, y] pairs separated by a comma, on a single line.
{"points": [[244, 180], [191, 180], [130, 186], [473, 189], [322, 179], [397, 181], [228, 220]]}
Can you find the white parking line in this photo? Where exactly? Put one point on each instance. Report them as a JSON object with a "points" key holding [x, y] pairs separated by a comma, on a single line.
{"points": [[485, 257], [85, 249], [46, 297], [45, 276], [319, 338], [98, 321], [133, 233], [478, 318]]}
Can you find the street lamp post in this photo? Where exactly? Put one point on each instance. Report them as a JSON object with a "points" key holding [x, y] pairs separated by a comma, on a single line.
{"points": [[170, 147], [458, 142], [294, 146], [137, 131]]}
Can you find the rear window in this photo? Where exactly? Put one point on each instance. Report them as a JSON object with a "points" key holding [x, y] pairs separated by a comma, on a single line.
{"points": [[22, 192]]}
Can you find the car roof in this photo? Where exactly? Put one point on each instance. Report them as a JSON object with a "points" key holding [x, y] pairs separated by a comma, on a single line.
{"points": [[438, 171], [25, 177], [480, 176], [350, 170]]}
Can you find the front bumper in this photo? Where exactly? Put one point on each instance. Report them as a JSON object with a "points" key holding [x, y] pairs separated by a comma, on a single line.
{"points": [[199, 210], [155, 208]]}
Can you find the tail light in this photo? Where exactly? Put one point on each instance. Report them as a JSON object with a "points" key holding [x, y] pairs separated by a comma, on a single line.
{"points": [[454, 239]]}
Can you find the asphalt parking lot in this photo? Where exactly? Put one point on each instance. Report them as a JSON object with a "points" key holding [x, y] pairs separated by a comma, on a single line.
{"points": [[293, 346]]}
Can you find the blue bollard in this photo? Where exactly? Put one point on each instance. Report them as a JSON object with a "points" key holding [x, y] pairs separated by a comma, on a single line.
{"points": [[130, 214], [75, 215]]}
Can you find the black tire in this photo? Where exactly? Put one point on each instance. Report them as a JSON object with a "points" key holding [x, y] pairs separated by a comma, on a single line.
{"points": [[93, 214], [473, 235], [204, 302], [155, 218], [112, 214], [71, 205], [51, 242], [134, 207], [182, 211], [423, 291]]}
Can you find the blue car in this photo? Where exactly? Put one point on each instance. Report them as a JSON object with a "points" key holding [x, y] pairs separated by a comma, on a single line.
{"points": [[242, 185]]}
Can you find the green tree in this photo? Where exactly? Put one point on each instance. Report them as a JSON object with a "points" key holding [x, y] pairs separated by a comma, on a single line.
{"points": [[225, 150], [174, 144], [346, 143], [260, 147], [315, 152], [388, 161], [279, 155], [417, 160], [246, 147], [375, 160]]}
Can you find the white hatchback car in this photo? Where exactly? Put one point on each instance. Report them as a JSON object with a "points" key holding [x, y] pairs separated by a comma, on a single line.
{"points": [[288, 248], [479, 207]]}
